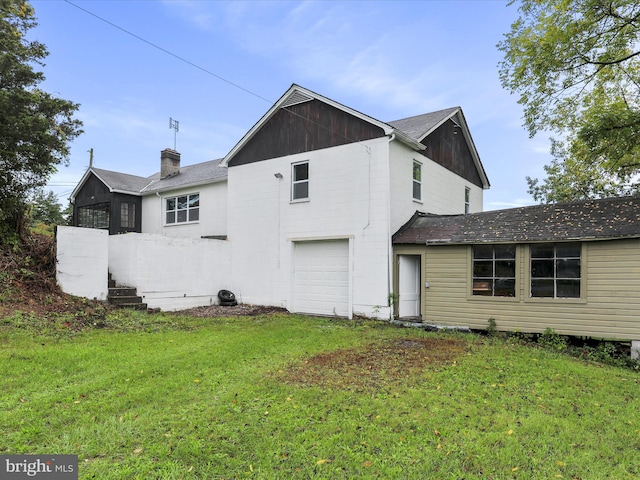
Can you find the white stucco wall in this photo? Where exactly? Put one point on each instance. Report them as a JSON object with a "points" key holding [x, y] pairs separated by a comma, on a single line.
{"points": [[348, 198], [213, 212], [442, 190], [82, 261], [170, 273]]}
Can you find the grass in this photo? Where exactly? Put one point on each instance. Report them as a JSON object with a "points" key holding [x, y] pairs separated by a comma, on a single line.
{"points": [[287, 396]]}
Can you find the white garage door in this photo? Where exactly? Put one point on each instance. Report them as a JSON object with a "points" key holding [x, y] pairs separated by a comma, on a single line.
{"points": [[321, 277]]}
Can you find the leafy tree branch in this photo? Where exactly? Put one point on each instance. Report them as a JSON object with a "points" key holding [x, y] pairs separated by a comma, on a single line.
{"points": [[575, 66], [35, 126]]}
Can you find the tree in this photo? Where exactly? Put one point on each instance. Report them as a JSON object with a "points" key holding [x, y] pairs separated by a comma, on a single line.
{"points": [[575, 65], [569, 179], [35, 126], [45, 209]]}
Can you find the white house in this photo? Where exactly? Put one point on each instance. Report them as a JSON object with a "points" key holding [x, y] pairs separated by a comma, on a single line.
{"points": [[301, 211]]}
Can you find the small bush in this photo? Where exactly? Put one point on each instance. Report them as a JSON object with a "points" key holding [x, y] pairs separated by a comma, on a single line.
{"points": [[552, 340], [492, 329]]}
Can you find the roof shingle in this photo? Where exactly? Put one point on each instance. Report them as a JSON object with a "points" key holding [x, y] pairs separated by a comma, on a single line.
{"points": [[190, 175], [608, 218], [417, 127]]}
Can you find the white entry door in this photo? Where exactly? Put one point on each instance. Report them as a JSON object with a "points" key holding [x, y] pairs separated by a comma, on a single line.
{"points": [[409, 286], [321, 277]]}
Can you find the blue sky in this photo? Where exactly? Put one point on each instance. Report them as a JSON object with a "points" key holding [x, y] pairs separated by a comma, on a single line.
{"points": [[229, 61]]}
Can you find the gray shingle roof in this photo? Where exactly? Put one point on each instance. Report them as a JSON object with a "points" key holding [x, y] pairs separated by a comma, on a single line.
{"points": [[417, 127], [198, 174], [122, 182], [586, 220], [190, 175]]}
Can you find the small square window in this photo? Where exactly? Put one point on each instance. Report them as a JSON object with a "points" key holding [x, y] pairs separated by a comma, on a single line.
{"points": [[494, 270], [555, 270]]}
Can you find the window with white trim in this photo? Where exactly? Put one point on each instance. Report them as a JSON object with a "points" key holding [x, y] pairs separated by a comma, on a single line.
{"points": [[467, 199], [300, 181], [417, 180], [182, 209], [555, 270]]}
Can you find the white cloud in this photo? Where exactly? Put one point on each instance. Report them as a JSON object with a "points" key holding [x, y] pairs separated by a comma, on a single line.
{"points": [[359, 50], [196, 13]]}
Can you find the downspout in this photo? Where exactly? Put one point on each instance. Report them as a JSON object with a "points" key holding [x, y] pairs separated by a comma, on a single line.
{"points": [[161, 220], [392, 137]]}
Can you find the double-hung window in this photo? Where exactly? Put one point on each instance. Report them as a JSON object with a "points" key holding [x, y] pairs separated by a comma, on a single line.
{"points": [[555, 270], [467, 200], [494, 270], [300, 181], [417, 180], [182, 209]]}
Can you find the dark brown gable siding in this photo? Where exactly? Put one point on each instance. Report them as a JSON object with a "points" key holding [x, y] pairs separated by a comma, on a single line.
{"points": [[304, 127], [451, 150], [93, 191]]}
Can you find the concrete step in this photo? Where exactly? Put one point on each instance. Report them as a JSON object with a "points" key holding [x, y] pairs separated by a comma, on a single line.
{"points": [[124, 299], [122, 292]]}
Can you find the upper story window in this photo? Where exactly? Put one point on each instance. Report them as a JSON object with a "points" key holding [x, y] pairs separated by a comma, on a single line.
{"points": [[467, 199], [300, 181], [417, 180], [555, 270], [494, 270], [182, 209]]}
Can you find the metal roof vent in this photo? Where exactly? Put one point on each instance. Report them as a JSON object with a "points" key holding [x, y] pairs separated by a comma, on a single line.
{"points": [[295, 98]]}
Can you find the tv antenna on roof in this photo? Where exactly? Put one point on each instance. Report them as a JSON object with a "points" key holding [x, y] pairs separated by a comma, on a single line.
{"points": [[175, 125]]}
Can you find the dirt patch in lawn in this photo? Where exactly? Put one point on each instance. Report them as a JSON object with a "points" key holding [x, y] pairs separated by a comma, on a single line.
{"points": [[376, 365], [230, 311]]}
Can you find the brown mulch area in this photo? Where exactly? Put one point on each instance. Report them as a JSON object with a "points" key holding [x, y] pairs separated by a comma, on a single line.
{"points": [[220, 311], [374, 366]]}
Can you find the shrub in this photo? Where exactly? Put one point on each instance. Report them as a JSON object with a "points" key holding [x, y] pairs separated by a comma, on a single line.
{"points": [[552, 340]]}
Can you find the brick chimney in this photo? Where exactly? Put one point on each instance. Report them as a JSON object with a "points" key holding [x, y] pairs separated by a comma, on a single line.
{"points": [[169, 163]]}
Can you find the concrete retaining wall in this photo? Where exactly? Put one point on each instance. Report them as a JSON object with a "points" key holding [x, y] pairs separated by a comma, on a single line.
{"points": [[82, 261], [169, 273]]}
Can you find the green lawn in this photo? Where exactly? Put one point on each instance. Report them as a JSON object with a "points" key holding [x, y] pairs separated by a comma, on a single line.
{"points": [[287, 396]]}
